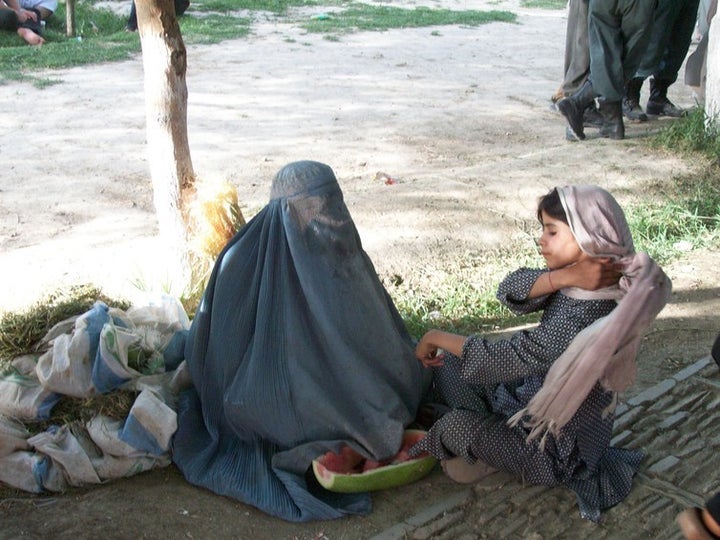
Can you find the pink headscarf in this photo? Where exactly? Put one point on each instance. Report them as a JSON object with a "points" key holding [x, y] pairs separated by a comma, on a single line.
{"points": [[606, 350]]}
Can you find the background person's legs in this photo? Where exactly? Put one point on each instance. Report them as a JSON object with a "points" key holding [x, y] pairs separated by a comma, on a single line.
{"points": [[577, 49]]}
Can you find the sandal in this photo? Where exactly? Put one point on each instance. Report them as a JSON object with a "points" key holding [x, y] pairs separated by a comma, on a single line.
{"points": [[692, 525]]}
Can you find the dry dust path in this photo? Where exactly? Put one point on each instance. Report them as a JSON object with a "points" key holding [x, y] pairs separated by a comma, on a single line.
{"points": [[459, 116]]}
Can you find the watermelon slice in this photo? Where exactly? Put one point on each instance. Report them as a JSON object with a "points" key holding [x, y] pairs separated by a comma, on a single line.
{"points": [[350, 472]]}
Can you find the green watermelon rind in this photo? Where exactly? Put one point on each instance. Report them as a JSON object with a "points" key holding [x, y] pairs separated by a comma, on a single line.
{"points": [[389, 476], [385, 477]]}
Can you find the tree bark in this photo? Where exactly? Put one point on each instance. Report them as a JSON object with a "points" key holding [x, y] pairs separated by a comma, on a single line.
{"points": [[712, 85], [70, 18], [165, 64]]}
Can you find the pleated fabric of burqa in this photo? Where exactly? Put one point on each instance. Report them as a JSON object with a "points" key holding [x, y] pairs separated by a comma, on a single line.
{"points": [[296, 349]]}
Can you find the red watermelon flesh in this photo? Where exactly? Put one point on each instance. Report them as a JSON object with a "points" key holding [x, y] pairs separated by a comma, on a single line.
{"points": [[348, 461]]}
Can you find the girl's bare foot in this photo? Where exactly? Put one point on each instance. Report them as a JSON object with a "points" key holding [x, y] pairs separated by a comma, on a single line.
{"points": [[30, 37], [464, 473]]}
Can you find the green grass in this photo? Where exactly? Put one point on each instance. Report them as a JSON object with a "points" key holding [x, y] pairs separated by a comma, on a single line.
{"points": [[681, 215], [544, 4], [685, 214], [213, 28], [101, 35], [461, 297], [692, 135], [21, 331], [100, 38], [364, 17], [274, 6]]}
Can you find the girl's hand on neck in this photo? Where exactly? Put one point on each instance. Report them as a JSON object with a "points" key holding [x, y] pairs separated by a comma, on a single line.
{"points": [[591, 273]]}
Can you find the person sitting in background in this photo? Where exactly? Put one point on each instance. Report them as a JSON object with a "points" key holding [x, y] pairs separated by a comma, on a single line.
{"points": [[25, 17], [44, 8]]}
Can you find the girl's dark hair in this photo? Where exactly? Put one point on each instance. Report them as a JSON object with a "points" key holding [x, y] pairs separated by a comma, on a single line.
{"points": [[551, 205]]}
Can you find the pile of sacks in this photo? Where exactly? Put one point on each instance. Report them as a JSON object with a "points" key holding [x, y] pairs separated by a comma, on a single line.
{"points": [[82, 357]]}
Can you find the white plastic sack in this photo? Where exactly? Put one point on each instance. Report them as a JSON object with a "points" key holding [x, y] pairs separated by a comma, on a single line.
{"points": [[105, 433], [158, 321], [63, 327], [118, 458], [13, 436], [25, 364], [82, 356], [150, 424], [110, 467], [111, 368], [67, 452], [31, 472], [17, 470], [66, 367], [24, 398]]}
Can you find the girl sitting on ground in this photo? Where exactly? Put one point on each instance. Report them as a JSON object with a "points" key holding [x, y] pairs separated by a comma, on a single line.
{"points": [[540, 404]]}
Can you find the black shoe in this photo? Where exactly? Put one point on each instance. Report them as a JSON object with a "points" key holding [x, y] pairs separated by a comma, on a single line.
{"points": [[664, 107], [716, 350], [574, 117], [633, 110], [592, 117], [573, 109], [613, 127]]}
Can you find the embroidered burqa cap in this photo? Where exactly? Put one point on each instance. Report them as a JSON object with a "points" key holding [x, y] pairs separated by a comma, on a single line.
{"points": [[605, 351], [296, 349]]}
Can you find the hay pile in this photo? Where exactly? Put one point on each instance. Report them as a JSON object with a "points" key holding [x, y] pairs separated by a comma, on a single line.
{"points": [[21, 332]]}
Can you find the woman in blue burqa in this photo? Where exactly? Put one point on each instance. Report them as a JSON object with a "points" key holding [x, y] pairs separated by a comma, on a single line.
{"points": [[296, 349]]}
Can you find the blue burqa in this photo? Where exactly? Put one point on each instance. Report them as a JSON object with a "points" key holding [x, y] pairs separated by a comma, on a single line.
{"points": [[296, 349]]}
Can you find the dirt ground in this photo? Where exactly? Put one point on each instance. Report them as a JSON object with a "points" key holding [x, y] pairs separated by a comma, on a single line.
{"points": [[457, 116]]}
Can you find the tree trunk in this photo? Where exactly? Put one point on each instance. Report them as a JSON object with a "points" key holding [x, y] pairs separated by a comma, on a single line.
{"points": [[712, 85], [173, 178], [70, 18]]}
